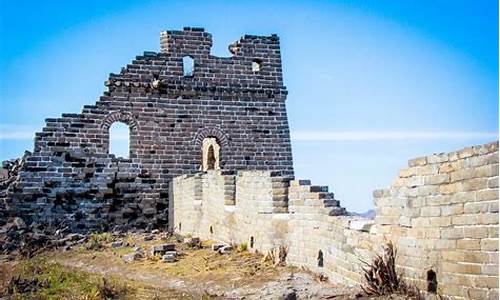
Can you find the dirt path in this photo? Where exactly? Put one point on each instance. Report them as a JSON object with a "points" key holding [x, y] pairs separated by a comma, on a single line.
{"points": [[202, 274]]}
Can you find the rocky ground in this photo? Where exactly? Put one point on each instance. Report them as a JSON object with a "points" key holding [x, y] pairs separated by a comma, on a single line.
{"points": [[152, 265]]}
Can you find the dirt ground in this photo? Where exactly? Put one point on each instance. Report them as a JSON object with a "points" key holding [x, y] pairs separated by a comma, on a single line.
{"points": [[197, 274]]}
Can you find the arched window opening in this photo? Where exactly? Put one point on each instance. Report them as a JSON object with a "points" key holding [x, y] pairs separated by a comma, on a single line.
{"points": [[320, 259], [256, 65], [188, 66], [210, 154], [432, 281], [211, 158], [119, 139]]}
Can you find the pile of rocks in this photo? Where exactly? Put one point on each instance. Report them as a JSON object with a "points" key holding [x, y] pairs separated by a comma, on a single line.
{"points": [[167, 252], [17, 239], [222, 248]]}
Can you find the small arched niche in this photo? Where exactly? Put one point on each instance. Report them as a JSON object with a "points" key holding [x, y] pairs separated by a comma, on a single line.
{"points": [[119, 139], [320, 259], [188, 66], [210, 154], [432, 281]]}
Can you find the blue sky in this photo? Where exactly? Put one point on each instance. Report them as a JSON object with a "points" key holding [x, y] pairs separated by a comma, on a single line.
{"points": [[371, 83]]}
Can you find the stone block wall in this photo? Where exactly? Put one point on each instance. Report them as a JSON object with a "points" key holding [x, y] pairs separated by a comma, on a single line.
{"points": [[441, 213], [71, 171]]}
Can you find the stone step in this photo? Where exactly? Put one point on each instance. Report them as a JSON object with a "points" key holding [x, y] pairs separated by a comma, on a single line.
{"points": [[337, 211], [319, 188], [331, 203]]}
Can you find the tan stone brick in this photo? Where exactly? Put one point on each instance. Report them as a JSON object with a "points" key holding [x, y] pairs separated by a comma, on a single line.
{"points": [[466, 152], [493, 207], [446, 168], [420, 161], [440, 221], [469, 244], [464, 220], [462, 174], [430, 211], [462, 197], [475, 232], [486, 195], [477, 257], [427, 190], [441, 244], [461, 268], [418, 233], [451, 290], [475, 293], [475, 184], [451, 188], [417, 202], [451, 210], [437, 158], [407, 172], [427, 170], [489, 269], [493, 182], [493, 295], [390, 211], [493, 231], [453, 256], [482, 160], [486, 171], [486, 281], [487, 218], [476, 207], [489, 244], [437, 179], [453, 233], [434, 200], [432, 233], [420, 222]]}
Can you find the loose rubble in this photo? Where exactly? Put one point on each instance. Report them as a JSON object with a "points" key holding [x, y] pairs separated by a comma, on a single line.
{"points": [[18, 239]]}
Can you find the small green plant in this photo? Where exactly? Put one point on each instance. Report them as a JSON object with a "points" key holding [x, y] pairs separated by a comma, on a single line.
{"points": [[242, 247], [96, 240], [40, 279]]}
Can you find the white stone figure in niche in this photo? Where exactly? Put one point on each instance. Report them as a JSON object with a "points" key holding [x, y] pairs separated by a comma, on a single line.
{"points": [[210, 154]]}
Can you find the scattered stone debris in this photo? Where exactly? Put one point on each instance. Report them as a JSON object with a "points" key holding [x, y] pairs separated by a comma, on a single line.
{"points": [[216, 247], [222, 248], [18, 239], [194, 243], [117, 244], [136, 255], [161, 249], [169, 256], [149, 238]]}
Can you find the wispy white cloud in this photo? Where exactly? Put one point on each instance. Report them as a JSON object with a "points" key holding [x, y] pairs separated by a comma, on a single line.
{"points": [[17, 132], [387, 135]]}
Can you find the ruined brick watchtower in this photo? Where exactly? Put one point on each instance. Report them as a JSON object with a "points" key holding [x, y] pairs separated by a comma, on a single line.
{"points": [[186, 110]]}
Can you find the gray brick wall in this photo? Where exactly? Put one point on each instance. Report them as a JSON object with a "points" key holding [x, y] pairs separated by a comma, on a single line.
{"points": [[71, 172]]}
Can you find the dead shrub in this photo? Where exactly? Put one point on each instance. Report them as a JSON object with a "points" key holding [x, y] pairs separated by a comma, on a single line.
{"points": [[382, 278]]}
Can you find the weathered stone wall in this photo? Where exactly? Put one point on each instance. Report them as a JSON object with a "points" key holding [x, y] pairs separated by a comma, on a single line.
{"points": [[71, 172], [441, 213]]}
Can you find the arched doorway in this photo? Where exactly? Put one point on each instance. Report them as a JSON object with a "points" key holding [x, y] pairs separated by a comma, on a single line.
{"points": [[210, 158]]}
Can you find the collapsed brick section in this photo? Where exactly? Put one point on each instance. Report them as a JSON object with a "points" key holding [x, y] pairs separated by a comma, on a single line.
{"points": [[71, 173]]}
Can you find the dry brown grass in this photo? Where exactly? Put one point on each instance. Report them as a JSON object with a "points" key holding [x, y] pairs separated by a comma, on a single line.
{"points": [[383, 279]]}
